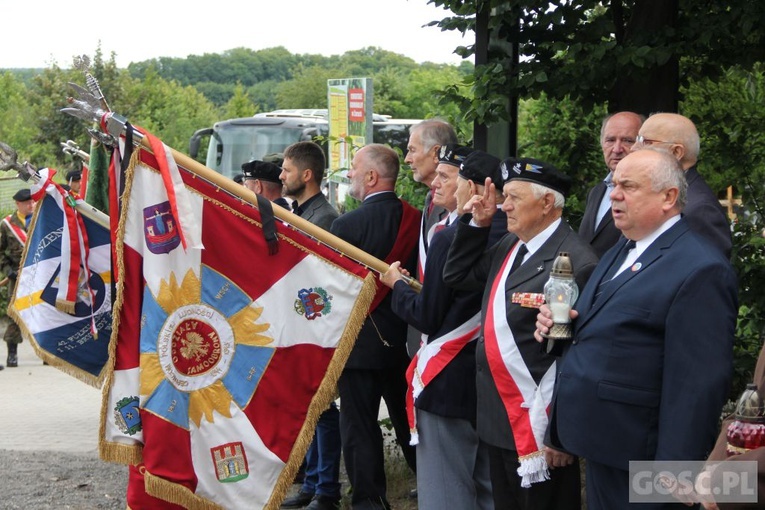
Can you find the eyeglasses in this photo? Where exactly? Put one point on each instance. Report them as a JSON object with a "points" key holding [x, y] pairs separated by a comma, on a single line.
{"points": [[642, 140]]}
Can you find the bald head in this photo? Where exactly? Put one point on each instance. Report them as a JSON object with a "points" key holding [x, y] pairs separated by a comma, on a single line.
{"points": [[617, 136], [674, 132]]}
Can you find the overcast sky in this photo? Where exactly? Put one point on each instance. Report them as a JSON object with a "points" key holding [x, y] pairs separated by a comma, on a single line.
{"points": [[37, 33]]}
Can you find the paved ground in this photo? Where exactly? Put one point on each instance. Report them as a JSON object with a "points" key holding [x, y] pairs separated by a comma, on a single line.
{"points": [[46, 409], [48, 441]]}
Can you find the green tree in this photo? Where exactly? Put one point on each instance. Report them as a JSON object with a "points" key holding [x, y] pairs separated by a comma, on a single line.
{"points": [[17, 126], [240, 105], [167, 109], [627, 54], [308, 88]]}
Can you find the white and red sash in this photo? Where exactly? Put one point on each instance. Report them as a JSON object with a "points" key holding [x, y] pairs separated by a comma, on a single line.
{"points": [[431, 359], [422, 255], [75, 248], [19, 233], [526, 402]]}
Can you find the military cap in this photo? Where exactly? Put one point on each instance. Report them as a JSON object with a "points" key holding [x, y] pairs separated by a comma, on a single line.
{"points": [[479, 165], [73, 175], [453, 154], [534, 170], [239, 178], [261, 170], [22, 195], [277, 158]]}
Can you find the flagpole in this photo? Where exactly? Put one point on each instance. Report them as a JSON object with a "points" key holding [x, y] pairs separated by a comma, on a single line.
{"points": [[283, 214], [27, 172], [90, 106]]}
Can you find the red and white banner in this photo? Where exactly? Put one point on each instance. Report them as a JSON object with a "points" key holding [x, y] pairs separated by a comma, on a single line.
{"points": [[225, 356]]}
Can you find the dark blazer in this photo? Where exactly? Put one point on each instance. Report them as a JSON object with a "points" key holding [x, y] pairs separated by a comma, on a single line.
{"points": [[704, 213], [320, 212], [373, 227], [436, 311], [650, 365], [469, 266], [606, 234]]}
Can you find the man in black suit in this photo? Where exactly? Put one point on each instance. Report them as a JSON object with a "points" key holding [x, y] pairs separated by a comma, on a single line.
{"points": [[301, 174], [385, 227], [702, 211], [651, 360], [617, 135], [514, 377], [425, 142]]}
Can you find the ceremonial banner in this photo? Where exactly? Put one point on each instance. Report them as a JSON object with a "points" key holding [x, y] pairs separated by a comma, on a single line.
{"points": [[73, 338], [225, 356]]}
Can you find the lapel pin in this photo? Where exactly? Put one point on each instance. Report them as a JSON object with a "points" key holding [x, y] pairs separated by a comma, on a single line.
{"points": [[636, 266]]}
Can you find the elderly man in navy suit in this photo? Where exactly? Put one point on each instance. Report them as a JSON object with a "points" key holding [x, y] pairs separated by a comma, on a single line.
{"points": [[651, 360]]}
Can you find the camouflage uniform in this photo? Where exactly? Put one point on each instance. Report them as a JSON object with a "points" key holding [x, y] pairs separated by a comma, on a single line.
{"points": [[11, 251]]}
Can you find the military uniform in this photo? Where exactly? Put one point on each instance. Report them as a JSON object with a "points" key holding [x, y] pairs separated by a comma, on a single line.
{"points": [[12, 239]]}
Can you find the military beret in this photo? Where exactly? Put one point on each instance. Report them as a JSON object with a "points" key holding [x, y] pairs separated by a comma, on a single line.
{"points": [[261, 170], [73, 175], [277, 158], [479, 165], [453, 154], [534, 170], [22, 195]]}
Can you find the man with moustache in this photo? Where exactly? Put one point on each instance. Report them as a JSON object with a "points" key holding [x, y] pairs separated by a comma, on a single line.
{"points": [[617, 136], [301, 175], [386, 227]]}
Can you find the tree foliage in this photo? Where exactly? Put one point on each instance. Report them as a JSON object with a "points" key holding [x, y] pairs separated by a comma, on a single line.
{"points": [[626, 54]]}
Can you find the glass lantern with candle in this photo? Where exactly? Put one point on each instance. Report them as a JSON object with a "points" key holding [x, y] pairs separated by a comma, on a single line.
{"points": [[561, 292]]}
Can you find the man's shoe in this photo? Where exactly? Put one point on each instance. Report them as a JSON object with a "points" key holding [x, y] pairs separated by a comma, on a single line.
{"points": [[298, 501], [413, 494], [1, 367], [12, 361], [320, 502]]}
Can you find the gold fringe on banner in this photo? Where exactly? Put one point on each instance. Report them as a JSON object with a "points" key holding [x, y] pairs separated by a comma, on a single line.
{"points": [[110, 451], [13, 312], [327, 391]]}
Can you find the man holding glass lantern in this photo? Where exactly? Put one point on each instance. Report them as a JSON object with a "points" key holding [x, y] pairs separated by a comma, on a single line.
{"points": [[514, 376]]}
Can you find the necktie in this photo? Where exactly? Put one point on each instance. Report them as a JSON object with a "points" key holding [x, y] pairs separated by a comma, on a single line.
{"points": [[609, 276], [441, 226], [522, 251]]}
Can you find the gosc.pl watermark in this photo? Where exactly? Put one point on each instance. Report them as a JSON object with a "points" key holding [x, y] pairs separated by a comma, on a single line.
{"points": [[673, 481]]}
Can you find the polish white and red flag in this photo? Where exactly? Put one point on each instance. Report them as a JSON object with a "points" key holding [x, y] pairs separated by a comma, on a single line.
{"points": [[224, 356]]}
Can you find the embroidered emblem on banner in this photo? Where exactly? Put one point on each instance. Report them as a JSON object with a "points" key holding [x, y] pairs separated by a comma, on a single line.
{"points": [[528, 299], [230, 462], [126, 415], [160, 230], [203, 350], [313, 303], [82, 307]]}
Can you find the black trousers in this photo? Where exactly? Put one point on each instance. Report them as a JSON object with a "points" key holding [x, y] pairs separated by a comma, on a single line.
{"points": [[561, 492], [361, 392]]}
